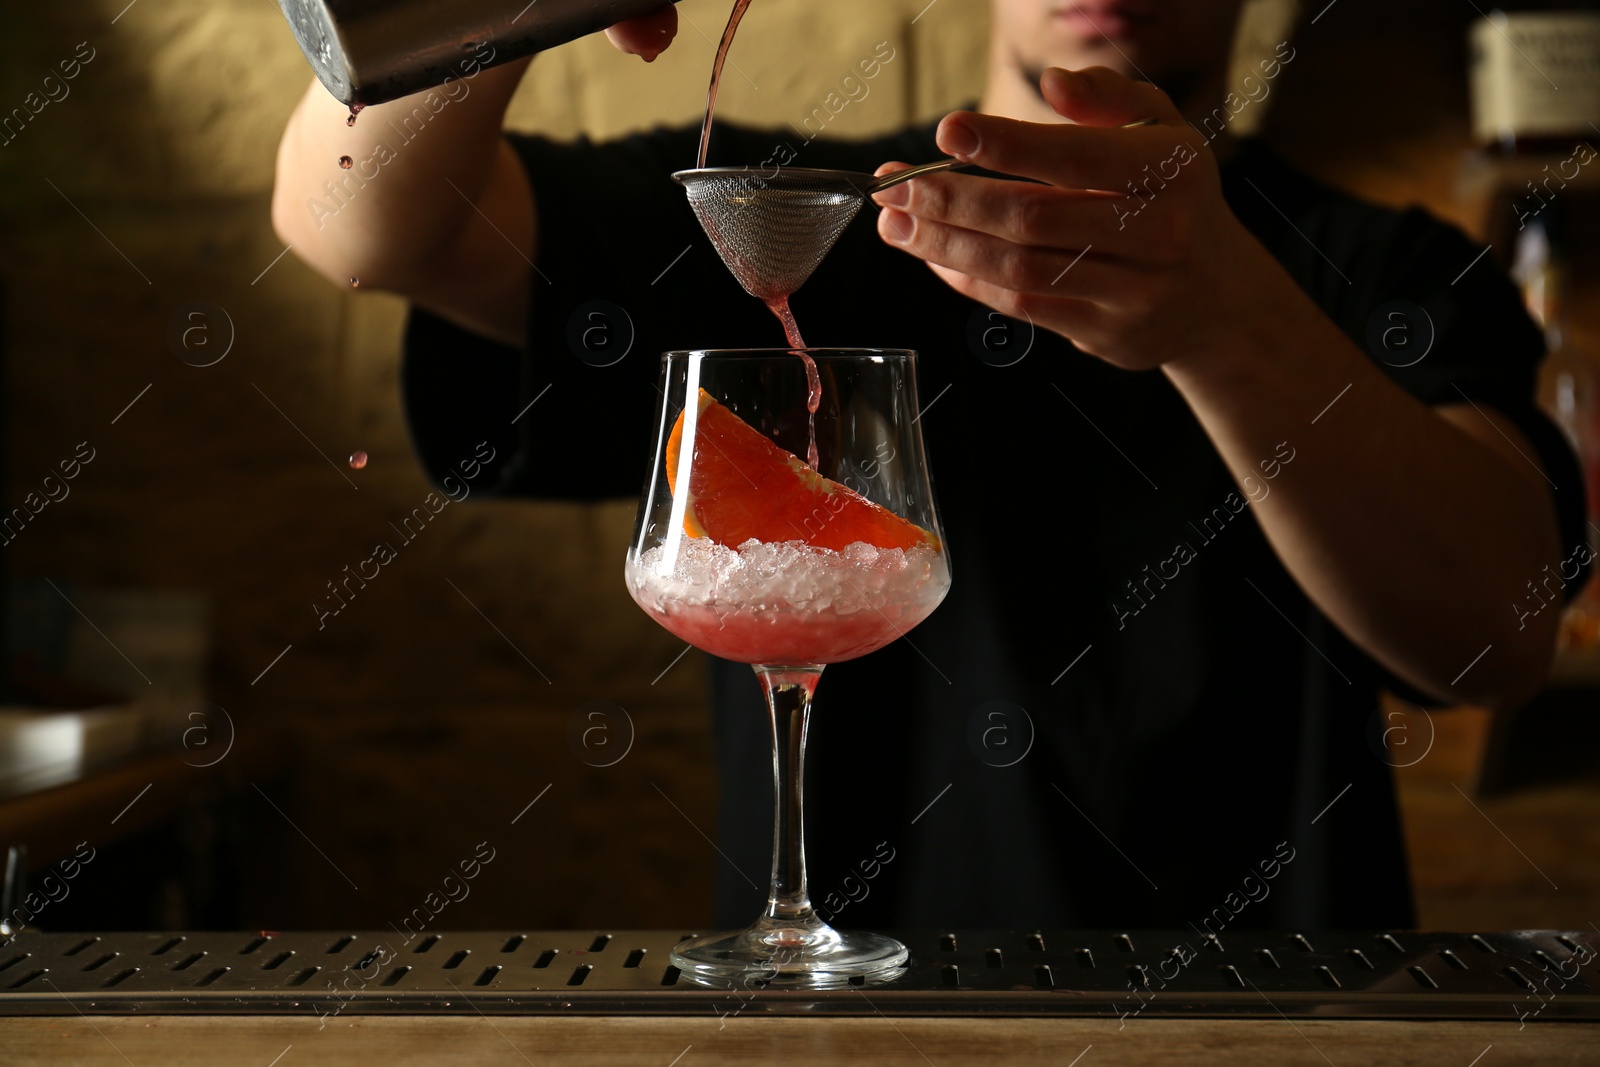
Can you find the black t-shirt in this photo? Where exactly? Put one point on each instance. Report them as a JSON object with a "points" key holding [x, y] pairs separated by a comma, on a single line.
{"points": [[1212, 755]]}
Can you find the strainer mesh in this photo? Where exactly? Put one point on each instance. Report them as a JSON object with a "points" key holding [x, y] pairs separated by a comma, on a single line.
{"points": [[772, 232]]}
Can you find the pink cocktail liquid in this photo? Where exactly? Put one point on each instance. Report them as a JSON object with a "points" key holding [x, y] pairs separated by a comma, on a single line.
{"points": [[739, 7], [791, 332], [787, 604], [776, 637]]}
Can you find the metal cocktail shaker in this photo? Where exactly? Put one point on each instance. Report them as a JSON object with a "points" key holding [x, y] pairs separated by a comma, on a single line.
{"points": [[372, 51]]}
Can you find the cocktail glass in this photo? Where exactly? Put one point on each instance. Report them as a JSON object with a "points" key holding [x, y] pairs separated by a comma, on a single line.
{"points": [[747, 554]]}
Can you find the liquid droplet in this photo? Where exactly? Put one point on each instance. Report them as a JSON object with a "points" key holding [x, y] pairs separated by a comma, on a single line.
{"points": [[358, 460], [345, 162], [355, 109], [355, 283]]}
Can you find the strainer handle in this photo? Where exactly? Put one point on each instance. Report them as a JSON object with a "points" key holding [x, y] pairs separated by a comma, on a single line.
{"points": [[888, 180]]}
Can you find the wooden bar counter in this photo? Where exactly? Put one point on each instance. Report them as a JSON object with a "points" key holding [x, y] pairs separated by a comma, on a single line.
{"points": [[481, 1041]]}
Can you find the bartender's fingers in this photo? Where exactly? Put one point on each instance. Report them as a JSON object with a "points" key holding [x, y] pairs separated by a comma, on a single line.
{"points": [[1024, 213], [1066, 155], [1100, 96], [1093, 151], [1073, 157], [1089, 326], [648, 35], [1048, 272], [1058, 313]]}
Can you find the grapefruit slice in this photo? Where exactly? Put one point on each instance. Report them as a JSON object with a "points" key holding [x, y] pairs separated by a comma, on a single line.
{"points": [[742, 486]]}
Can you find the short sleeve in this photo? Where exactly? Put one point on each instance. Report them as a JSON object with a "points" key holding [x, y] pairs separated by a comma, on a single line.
{"points": [[1473, 341], [1441, 318]]}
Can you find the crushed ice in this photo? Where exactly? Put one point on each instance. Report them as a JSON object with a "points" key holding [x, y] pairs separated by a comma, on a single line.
{"points": [[762, 576]]}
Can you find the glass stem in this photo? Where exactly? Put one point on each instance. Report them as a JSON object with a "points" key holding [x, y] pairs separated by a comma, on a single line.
{"points": [[788, 691]]}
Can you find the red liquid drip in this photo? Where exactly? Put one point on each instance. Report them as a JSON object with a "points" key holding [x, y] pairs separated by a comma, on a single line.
{"points": [[779, 306], [355, 109], [791, 331], [739, 7], [355, 283], [345, 162], [358, 460]]}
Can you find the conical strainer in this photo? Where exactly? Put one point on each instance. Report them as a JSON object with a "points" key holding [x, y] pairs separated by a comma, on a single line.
{"points": [[773, 230]]}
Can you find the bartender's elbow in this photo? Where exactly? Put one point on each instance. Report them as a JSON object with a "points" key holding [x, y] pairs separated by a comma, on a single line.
{"points": [[1510, 671]]}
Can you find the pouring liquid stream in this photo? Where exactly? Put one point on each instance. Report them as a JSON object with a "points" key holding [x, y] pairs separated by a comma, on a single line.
{"points": [[739, 7], [791, 331], [779, 305]]}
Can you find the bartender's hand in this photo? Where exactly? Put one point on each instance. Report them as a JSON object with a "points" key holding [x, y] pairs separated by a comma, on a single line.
{"points": [[1389, 503], [648, 35], [1136, 274]]}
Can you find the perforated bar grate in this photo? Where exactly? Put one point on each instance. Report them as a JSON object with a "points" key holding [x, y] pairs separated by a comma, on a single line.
{"points": [[1532, 975]]}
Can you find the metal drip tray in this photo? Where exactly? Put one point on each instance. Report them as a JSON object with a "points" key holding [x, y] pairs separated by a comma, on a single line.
{"points": [[1532, 975]]}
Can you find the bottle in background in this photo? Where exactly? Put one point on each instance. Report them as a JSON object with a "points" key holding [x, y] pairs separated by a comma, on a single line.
{"points": [[1535, 75], [1569, 391]]}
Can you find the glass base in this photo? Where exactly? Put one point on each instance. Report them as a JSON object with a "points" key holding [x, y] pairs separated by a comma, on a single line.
{"points": [[797, 955]]}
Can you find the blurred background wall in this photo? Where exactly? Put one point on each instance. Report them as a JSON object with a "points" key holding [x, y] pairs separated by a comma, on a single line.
{"points": [[371, 755]]}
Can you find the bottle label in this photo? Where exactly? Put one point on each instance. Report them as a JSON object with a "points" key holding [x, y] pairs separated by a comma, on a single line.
{"points": [[1535, 75]]}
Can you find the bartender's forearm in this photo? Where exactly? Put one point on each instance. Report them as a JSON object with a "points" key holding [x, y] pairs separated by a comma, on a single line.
{"points": [[393, 215], [1413, 529]]}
